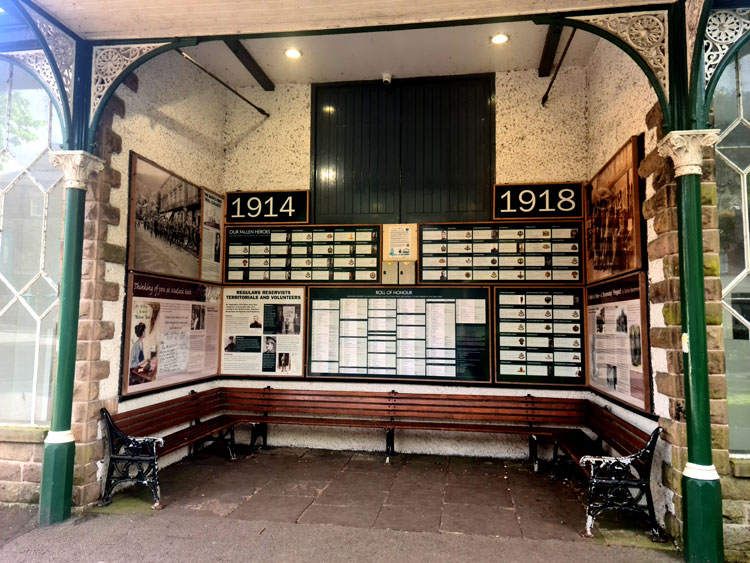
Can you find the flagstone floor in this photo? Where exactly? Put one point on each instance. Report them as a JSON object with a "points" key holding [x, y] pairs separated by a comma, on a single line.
{"points": [[447, 495]]}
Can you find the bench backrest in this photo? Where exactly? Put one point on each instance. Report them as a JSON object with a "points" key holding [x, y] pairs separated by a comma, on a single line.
{"points": [[308, 402], [619, 434], [161, 416], [404, 406], [485, 408]]}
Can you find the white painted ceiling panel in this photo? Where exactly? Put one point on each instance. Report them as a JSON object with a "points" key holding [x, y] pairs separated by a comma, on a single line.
{"points": [[119, 19], [407, 53]]}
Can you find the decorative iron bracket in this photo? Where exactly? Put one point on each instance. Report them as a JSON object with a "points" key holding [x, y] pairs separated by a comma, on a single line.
{"points": [[723, 29], [647, 33], [108, 63]]}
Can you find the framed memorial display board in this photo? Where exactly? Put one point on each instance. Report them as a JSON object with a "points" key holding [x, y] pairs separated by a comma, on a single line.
{"points": [[263, 331], [171, 332], [501, 252], [618, 340], [211, 237], [175, 226], [537, 201], [540, 335], [256, 207], [613, 216], [417, 334], [314, 254]]}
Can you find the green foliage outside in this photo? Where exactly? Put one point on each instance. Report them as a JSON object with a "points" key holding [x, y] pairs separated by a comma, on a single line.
{"points": [[18, 127]]}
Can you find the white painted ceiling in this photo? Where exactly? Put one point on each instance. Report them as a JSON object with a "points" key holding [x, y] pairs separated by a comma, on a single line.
{"points": [[119, 19], [365, 56]]}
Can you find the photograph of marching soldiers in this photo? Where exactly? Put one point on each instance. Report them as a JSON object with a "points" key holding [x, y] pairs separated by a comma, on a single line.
{"points": [[167, 222], [611, 245]]}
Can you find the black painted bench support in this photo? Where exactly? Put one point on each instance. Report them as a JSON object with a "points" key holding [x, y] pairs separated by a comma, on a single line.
{"points": [[131, 460], [224, 437], [390, 448], [620, 483], [259, 430]]}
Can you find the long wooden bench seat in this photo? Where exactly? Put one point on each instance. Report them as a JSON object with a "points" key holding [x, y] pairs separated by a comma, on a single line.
{"points": [[528, 415], [615, 483]]}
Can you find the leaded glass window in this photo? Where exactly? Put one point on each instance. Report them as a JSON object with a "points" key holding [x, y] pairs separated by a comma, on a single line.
{"points": [[31, 206]]}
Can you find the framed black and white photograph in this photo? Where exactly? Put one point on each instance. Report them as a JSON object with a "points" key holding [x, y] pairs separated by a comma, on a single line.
{"points": [[613, 217], [165, 230]]}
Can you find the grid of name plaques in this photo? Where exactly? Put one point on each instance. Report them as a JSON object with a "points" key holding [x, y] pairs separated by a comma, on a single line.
{"points": [[501, 252], [540, 335], [341, 254]]}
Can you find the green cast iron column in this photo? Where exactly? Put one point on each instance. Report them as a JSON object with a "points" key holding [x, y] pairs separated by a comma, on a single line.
{"points": [[59, 446], [701, 488]]}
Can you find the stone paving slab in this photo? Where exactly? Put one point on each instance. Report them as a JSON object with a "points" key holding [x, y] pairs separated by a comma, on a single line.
{"points": [[294, 490]]}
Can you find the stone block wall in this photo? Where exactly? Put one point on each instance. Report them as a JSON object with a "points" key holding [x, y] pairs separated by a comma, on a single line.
{"points": [[21, 454], [660, 211], [92, 330]]}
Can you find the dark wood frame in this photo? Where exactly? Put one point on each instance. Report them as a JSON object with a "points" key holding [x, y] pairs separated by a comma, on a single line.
{"points": [[577, 382], [634, 146], [471, 225], [125, 365], [262, 223], [134, 157], [552, 217], [221, 231], [393, 380], [232, 283], [645, 358], [303, 335]]}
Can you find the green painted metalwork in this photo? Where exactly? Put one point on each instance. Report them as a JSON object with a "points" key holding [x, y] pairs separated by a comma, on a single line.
{"points": [[70, 290], [56, 494], [81, 98], [91, 136], [21, 13], [725, 62], [702, 521], [57, 467], [653, 80], [702, 513]]}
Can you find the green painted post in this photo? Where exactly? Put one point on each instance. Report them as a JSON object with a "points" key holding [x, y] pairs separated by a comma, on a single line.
{"points": [[59, 446], [701, 488]]}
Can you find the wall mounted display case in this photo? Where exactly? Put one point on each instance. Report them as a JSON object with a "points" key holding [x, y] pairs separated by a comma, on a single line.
{"points": [[315, 254], [540, 335], [501, 252], [419, 334]]}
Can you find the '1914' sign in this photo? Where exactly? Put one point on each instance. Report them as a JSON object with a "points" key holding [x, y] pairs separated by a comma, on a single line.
{"points": [[268, 207], [537, 201]]}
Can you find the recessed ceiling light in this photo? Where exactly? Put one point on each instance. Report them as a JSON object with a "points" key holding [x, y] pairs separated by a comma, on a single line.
{"points": [[499, 39], [293, 53]]}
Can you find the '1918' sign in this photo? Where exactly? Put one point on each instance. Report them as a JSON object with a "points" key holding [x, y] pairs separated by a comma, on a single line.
{"points": [[537, 201], [268, 207]]}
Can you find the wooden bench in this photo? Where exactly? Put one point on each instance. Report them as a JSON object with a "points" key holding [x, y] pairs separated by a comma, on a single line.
{"points": [[615, 483], [133, 458], [391, 411], [211, 416]]}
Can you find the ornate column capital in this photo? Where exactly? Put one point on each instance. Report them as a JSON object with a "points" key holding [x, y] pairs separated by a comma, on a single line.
{"points": [[77, 167], [685, 148]]}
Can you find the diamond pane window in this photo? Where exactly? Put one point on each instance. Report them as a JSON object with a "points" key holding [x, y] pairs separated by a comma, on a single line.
{"points": [[731, 108], [31, 207]]}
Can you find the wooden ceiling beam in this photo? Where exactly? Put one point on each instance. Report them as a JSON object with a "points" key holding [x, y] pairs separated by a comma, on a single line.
{"points": [[250, 64], [549, 51]]}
